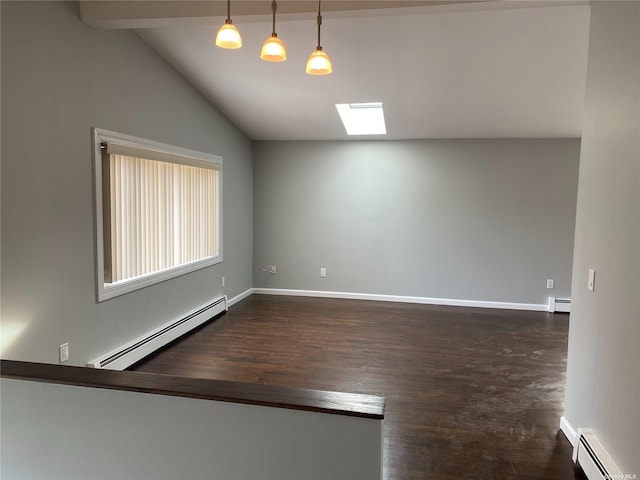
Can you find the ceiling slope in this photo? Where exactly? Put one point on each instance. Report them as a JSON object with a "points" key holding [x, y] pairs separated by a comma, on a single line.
{"points": [[444, 71]]}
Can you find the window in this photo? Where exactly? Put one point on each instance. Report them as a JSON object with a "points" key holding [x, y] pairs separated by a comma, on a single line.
{"points": [[158, 212], [362, 118]]}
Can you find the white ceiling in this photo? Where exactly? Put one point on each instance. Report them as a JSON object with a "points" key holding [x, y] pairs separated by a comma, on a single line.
{"points": [[458, 71]]}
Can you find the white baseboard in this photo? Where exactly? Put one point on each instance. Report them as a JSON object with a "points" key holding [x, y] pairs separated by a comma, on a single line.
{"points": [[232, 301], [402, 299], [568, 430], [593, 458]]}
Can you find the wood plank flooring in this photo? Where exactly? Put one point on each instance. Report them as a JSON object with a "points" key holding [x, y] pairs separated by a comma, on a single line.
{"points": [[471, 393]]}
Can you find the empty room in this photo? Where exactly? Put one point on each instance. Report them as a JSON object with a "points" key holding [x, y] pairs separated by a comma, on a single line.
{"points": [[320, 240]]}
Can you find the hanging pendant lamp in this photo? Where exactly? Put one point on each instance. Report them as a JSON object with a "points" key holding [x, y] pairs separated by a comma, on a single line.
{"points": [[319, 63], [228, 35], [273, 49]]}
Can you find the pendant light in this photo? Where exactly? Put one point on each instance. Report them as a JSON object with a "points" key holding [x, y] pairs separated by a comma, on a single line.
{"points": [[273, 49], [319, 63], [228, 35]]}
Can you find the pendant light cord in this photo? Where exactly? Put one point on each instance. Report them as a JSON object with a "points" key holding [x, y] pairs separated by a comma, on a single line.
{"points": [[273, 9], [228, 11], [319, 23]]}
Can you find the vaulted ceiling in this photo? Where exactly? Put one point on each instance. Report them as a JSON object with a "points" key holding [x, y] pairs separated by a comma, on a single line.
{"points": [[445, 69]]}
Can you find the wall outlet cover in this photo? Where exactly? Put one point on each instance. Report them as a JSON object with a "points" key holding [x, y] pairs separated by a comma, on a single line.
{"points": [[64, 352]]}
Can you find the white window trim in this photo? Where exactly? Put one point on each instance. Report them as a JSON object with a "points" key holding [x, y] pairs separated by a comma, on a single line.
{"points": [[107, 291]]}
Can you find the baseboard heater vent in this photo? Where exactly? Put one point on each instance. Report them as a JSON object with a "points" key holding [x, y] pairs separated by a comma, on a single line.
{"points": [[559, 304], [131, 352], [594, 460]]}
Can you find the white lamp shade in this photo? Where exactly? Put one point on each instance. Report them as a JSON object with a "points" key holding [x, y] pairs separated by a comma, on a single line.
{"points": [[273, 50], [319, 63], [228, 36]]}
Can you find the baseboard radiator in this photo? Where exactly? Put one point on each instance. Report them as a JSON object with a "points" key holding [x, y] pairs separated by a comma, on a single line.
{"points": [[559, 304], [134, 351], [594, 460]]}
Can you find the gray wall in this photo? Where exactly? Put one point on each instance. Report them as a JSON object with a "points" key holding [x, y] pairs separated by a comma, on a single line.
{"points": [[68, 432], [603, 383], [486, 220], [59, 79]]}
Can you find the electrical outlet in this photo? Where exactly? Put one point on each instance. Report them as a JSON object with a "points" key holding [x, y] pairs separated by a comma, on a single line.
{"points": [[323, 272], [272, 269], [223, 282], [64, 352], [550, 283]]}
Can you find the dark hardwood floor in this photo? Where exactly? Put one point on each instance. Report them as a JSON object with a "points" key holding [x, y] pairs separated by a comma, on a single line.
{"points": [[471, 393]]}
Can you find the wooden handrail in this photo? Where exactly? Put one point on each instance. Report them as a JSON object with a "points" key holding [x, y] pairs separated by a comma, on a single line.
{"points": [[335, 403]]}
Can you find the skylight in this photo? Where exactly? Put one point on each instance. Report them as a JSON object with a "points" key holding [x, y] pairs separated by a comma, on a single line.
{"points": [[362, 118]]}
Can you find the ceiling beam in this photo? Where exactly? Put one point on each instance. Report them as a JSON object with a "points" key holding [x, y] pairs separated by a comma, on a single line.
{"points": [[147, 14]]}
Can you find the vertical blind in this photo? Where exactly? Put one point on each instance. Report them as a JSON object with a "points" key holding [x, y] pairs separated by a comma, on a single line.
{"points": [[161, 215]]}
